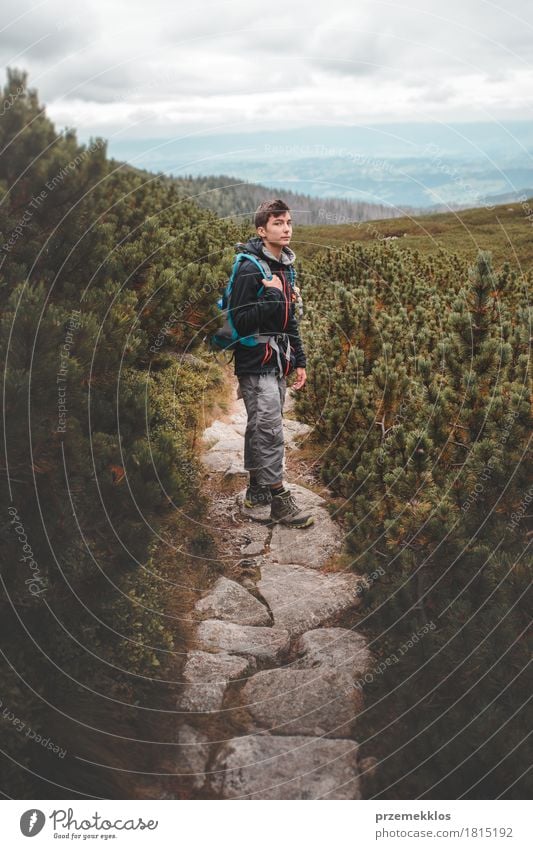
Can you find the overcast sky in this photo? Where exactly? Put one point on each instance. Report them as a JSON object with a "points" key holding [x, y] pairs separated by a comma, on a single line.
{"points": [[159, 68]]}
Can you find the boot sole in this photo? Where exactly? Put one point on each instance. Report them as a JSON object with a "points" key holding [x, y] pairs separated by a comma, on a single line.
{"points": [[298, 525]]}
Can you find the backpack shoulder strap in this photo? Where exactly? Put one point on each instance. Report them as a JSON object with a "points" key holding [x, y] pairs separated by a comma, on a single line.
{"points": [[262, 266]]}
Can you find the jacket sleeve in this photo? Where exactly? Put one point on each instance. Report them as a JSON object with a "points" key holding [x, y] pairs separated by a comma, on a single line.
{"points": [[251, 312], [293, 331]]}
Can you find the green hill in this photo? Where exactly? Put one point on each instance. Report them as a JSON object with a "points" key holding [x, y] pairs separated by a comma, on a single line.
{"points": [[506, 230]]}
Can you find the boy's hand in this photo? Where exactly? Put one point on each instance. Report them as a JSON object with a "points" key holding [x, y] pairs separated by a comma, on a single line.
{"points": [[275, 283], [301, 377]]}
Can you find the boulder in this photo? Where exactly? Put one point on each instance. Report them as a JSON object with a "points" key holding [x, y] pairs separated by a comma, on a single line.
{"points": [[192, 756], [225, 451], [206, 677], [267, 767], [336, 648], [294, 432], [228, 600], [254, 539], [253, 549], [226, 460], [290, 399], [265, 644], [315, 702], [301, 598], [219, 431]]}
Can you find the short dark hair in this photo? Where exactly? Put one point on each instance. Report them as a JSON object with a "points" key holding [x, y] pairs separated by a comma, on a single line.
{"points": [[269, 208]]}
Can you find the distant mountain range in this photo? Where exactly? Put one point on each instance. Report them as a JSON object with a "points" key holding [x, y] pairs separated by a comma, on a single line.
{"points": [[507, 197], [397, 167], [230, 198]]}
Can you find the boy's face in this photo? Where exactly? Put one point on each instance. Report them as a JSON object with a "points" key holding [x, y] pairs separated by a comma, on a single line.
{"points": [[278, 230]]}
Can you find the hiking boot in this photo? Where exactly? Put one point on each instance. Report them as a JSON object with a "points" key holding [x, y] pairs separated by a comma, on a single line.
{"points": [[257, 496], [285, 511]]}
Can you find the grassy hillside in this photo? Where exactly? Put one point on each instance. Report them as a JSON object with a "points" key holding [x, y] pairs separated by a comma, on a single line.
{"points": [[506, 230]]}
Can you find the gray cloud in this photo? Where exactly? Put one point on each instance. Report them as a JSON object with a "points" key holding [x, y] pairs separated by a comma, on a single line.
{"points": [[117, 63], [40, 32]]}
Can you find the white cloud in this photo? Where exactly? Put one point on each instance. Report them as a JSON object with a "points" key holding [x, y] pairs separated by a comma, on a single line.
{"points": [[152, 69]]}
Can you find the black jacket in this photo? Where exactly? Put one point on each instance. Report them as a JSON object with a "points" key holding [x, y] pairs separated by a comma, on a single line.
{"points": [[272, 312]]}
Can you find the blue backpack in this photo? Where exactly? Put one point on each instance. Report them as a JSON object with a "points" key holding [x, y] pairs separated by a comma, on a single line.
{"points": [[227, 336]]}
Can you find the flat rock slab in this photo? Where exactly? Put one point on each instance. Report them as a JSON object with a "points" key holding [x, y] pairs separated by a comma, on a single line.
{"points": [[239, 420], [266, 644], [301, 598], [220, 431], [266, 767], [228, 600], [253, 549], [254, 539], [336, 648], [225, 442], [228, 462], [294, 431], [192, 756], [206, 677], [318, 702], [257, 514], [231, 444], [290, 399], [311, 546]]}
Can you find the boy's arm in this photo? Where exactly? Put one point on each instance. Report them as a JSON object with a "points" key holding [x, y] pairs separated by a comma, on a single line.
{"points": [[249, 311]]}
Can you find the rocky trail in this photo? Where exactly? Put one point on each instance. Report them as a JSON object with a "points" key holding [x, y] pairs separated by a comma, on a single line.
{"points": [[269, 697]]}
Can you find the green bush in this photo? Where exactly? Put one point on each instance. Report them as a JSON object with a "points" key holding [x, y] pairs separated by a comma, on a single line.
{"points": [[419, 393]]}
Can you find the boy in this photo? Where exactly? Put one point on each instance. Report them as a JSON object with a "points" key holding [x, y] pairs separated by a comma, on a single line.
{"points": [[262, 369]]}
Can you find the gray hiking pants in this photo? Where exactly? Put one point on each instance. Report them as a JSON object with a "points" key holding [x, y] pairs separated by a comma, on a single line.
{"points": [[264, 447]]}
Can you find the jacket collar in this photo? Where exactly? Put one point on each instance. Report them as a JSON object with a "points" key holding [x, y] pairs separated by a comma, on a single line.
{"points": [[255, 245]]}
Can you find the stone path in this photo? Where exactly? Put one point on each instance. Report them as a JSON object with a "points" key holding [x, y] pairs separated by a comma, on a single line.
{"points": [[270, 681]]}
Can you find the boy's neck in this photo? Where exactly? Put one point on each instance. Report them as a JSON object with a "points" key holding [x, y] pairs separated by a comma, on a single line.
{"points": [[272, 248]]}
